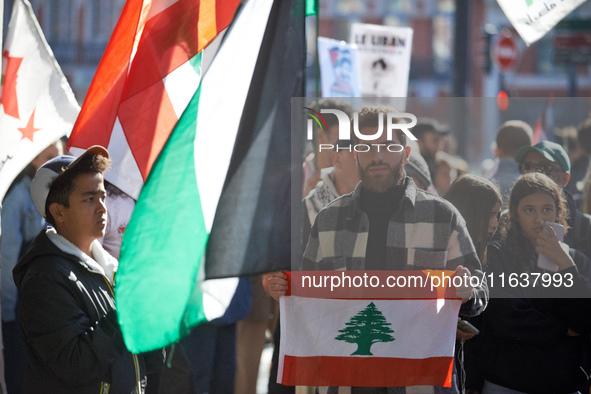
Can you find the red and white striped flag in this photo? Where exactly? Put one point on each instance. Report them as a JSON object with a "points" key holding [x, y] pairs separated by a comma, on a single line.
{"points": [[367, 339]]}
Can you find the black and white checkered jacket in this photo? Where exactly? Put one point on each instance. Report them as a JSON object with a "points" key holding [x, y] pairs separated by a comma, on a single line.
{"points": [[426, 232]]}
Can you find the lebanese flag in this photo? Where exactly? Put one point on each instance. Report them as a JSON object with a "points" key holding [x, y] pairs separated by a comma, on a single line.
{"points": [[38, 105], [145, 80], [366, 340]]}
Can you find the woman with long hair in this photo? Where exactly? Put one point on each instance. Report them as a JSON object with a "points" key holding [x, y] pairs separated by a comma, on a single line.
{"points": [[479, 201], [531, 341]]}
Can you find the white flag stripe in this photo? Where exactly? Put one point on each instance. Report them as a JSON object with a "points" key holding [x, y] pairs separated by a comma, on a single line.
{"points": [[223, 93], [160, 5], [120, 152], [180, 85], [420, 331], [217, 294], [40, 87]]}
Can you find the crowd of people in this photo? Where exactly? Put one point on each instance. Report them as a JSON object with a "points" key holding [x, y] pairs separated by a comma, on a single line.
{"points": [[62, 231], [418, 208], [531, 340]]}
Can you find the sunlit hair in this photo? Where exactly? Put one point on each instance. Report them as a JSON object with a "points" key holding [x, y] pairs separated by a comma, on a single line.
{"points": [[370, 117], [519, 247], [512, 135], [475, 198]]}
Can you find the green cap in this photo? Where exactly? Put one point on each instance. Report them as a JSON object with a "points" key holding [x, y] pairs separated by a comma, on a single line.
{"points": [[550, 150]]}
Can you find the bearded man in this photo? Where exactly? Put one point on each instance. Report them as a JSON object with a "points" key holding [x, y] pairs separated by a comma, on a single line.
{"points": [[388, 223]]}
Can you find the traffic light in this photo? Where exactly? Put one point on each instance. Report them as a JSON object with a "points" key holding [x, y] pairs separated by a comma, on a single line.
{"points": [[502, 100]]}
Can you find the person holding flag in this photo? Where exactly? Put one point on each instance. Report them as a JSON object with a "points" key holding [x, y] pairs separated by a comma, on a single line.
{"points": [[396, 226]]}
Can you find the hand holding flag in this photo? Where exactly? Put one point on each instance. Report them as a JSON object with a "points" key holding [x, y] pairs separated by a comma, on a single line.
{"points": [[465, 290]]}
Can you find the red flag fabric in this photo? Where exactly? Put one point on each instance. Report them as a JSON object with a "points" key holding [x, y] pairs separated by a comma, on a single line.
{"points": [[145, 81]]}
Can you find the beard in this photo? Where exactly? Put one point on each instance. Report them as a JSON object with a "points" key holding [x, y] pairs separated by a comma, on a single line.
{"points": [[381, 182]]}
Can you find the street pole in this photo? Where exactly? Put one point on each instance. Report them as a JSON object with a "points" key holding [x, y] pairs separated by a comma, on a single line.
{"points": [[572, 79], [461, 56]]}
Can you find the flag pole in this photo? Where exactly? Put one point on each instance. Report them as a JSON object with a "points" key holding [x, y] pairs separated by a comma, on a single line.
{"points": [[317, 62], [1, 49], [2, 380], [1, 27], [317, 73]]}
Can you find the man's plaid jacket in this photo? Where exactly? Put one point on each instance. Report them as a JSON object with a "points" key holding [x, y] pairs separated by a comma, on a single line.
{"points": [[425, 232]]}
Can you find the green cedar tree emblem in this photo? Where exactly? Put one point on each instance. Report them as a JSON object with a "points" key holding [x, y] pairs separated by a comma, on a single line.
{"points": [[366, 328]]}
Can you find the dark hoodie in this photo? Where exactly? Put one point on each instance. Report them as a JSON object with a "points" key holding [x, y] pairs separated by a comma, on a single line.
{"points": [[68, 319], [525, 345]]}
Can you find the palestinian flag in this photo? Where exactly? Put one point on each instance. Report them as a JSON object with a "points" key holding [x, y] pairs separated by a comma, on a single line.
{"points": [[367, 336], [251, 233], [222, 140]]}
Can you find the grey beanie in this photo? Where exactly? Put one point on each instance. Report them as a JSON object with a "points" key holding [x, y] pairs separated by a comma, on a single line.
{"points": [[417, 167]]}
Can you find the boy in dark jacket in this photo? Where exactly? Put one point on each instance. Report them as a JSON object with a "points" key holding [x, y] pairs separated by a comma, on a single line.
{"points": [[65, 283]]}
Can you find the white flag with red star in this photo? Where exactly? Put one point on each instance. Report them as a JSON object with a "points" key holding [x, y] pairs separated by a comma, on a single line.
{"points": [[38, 106]]}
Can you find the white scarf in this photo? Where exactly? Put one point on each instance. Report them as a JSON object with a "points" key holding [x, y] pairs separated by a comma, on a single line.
{"points": [[101, 262]]}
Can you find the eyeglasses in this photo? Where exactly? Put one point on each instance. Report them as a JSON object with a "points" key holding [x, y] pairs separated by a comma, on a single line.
{"points": [[546, 169]]}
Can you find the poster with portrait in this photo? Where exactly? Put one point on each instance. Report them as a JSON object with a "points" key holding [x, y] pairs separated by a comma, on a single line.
{"points": [[384, 58], [339, 71]]}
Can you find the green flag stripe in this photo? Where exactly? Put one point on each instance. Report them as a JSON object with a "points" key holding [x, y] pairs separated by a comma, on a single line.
{"points": [[162, 247]]}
